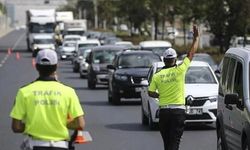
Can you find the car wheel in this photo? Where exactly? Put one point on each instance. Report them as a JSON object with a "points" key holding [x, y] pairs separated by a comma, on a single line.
{"points": [[144, 118], [245, 144], [220, 140], [151, 124], [109, 95], [74, 68], [91, 84], [116, 98]]}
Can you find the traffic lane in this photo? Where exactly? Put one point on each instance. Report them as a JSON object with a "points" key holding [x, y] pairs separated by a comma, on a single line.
{"points": [[119, 127], [16, 40], [13, 75]]}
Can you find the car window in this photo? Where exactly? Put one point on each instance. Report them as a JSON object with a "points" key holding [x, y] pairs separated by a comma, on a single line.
{"points": [[105, 56], [139, 60], [69, 44], [224, 75], [150, 74], [238, 82], [229, 80], [156, 50], [200, 75], [87, 45]]}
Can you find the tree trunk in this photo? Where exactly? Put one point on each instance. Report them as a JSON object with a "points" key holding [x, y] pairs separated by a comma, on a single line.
{"points": [[184, 33], [156, 25]]}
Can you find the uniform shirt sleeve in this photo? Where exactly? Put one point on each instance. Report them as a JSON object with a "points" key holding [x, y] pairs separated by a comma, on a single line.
{"points": [[185, 64], [18, 111], [152, 86], [75, 108]]}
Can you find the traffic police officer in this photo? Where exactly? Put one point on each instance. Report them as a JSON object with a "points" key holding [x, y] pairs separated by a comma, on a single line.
{"points": [[42, 108], [168, 86]]}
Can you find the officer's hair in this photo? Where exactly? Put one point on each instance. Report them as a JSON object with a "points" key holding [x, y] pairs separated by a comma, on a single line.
{"points": [[169, 60], [46, 70]]}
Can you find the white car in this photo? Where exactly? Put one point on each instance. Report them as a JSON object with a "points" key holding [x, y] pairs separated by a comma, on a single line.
{"points": [[201, 85], [42, 41], [156, 46], [67, 49], [73, 38], [125, 43], [81, 46]]}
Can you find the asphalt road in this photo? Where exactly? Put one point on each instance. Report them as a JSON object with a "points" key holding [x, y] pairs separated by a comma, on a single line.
{"points": [[111, 127]]}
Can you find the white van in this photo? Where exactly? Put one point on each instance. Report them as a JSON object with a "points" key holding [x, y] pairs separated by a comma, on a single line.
{"points": [[156, 46], [239, 42], [233, 115]]}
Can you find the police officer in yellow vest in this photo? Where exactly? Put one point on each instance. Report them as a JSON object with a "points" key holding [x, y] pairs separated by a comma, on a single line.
{"points": [[168, 86], [42, 108]]}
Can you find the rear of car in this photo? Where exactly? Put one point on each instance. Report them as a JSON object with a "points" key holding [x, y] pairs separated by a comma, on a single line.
{"points": [[128, 70]]}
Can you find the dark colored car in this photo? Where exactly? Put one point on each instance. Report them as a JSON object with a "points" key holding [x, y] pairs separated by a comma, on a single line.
{"points": [[98, 59], [129, 68]]}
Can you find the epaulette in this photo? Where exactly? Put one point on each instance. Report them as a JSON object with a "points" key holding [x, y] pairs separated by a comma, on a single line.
{"points": [[27, 84]]}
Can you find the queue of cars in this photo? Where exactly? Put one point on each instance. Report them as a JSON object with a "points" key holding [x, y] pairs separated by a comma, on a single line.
{"points": [[126, 70], [222, 99]]}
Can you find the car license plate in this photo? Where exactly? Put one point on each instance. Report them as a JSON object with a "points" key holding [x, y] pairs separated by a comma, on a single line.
{"points": [[138, 89], [194, 111]]}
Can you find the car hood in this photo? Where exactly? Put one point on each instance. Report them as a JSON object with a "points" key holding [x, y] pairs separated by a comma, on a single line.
{"points": [[137, 72], [44, 45], [201, 90]]}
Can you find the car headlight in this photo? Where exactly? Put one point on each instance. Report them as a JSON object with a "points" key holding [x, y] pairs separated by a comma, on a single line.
{"points": [[35, 47], [52, 47], [213, 99], [121, 77], [96, 68]]}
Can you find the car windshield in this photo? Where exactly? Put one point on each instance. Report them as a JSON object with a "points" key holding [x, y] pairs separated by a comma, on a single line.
{"points": [[204, 58], [69, 45], [139, 60], [82, 51], [75, 32], [38, 28], [199, 57], [43, 41], [72, 39], [157, 50], [87, 45], [241, 41], [104, 56], [199, 75]]}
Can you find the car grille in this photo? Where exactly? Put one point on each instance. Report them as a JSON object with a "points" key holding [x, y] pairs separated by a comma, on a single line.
{"points": [[199, 101], [198, 117], [136, 80]]}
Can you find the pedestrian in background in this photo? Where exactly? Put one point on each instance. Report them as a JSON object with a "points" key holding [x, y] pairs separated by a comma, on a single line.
{"points": [[45, 109], [169, 86]]}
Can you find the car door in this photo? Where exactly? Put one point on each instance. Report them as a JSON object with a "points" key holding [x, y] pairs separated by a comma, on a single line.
{"points": [[226, 82], [235, 116]]}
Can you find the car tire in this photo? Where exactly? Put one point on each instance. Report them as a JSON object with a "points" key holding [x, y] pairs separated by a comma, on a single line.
{"points": [[109, 95], [220, 140], [74, 68], [151, 124], [144, 118], [91, 84], [246, 145], [116, 100]]}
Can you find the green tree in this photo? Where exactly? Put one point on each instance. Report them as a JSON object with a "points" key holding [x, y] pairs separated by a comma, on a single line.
{"points": [[134, 12]]}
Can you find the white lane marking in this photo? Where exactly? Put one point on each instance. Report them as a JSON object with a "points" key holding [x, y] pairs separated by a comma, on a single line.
{"points": [[19, 39], [13, 48]]}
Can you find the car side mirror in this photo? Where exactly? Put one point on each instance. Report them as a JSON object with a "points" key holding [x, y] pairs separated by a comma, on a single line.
{"points": [[111, 67], [217, 71], [80, 57], [232, 99], [87, 60]]}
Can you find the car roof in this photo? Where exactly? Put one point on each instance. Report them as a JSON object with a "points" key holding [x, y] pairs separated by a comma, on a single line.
{"points": [[155, 43], [109, 47], [241, 52], [88, 41]]}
